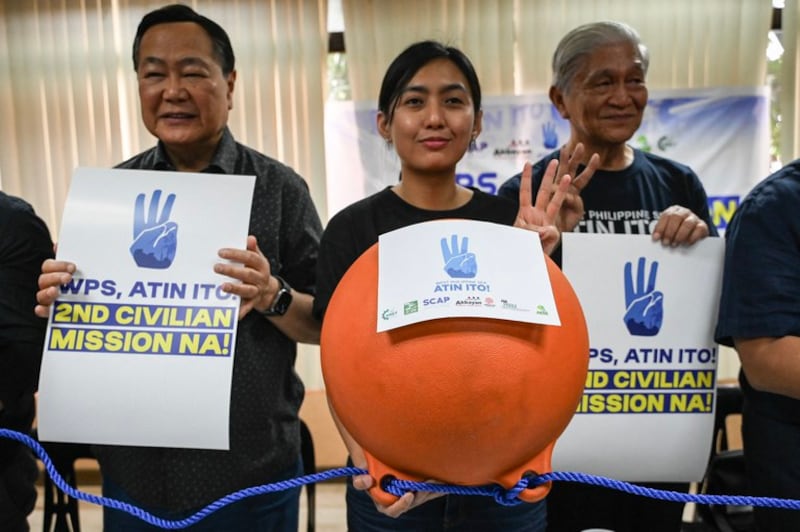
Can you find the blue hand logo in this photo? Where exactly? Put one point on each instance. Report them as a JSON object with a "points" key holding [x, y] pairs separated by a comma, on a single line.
{"points": [[156, 238], [550, 135], [458, 263], [644, 312]]}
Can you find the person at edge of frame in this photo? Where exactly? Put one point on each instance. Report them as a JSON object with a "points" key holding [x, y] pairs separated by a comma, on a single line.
{"points": [[599, 72], [184, 63], [24, 244]]}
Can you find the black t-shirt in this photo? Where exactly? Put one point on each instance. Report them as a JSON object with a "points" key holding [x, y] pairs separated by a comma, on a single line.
{"points": [[356, 228], [629, 201], [24, 244]]}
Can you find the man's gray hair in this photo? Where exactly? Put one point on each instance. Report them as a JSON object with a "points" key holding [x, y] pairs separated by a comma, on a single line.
{"points": [[575, 47]]}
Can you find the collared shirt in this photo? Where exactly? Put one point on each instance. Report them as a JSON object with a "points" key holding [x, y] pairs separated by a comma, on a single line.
{"points": [[761, 285], [266, 392]]}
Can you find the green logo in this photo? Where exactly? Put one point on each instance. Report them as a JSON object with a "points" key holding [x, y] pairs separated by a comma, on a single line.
{"points": [[411, 307]]}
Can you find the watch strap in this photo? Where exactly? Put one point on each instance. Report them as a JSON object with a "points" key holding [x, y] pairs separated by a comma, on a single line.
{"points": [[281, 301]]}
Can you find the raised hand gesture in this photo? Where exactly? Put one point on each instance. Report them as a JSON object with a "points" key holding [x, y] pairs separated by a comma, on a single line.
{"points": [[644, 305], [458, 261], [572, 209], [155, 238], [541, 215], [550, 135]]}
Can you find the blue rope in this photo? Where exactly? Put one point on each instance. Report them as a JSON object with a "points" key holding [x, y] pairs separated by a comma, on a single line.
{"points": [[397, 487], [509, 497], [59, 481], [676, 496]]}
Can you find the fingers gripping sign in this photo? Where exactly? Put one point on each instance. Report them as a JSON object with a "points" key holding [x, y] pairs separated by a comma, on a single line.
{"points": [[252, 269], [541, 215], [678, 225], [54, 273]]}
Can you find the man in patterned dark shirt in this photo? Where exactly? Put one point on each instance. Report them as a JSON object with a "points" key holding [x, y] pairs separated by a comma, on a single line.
{"points": [[185, 69]]}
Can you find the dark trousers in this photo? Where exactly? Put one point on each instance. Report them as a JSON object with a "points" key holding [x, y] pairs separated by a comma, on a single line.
{"points": [[271, 512], [18, 473]]}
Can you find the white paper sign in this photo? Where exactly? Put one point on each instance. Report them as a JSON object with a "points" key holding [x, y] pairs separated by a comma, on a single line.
{"points": [[140, 344], [647, 412], [466, 268]]}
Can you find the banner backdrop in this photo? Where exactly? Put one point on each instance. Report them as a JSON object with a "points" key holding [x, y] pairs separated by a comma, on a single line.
{"points": [[722, 134]]}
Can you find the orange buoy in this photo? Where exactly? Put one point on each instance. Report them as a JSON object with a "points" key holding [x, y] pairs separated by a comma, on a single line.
{"points": [[466, 401]]}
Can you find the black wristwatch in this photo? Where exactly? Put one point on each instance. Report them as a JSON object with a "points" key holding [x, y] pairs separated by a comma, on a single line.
{"points": [[282, 300]]}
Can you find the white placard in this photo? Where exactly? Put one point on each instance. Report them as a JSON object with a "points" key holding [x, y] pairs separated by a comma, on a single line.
{"points": [[647, 412], [140, 345], [464, 268]]}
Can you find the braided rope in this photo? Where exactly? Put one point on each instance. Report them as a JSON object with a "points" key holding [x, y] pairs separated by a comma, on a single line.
{"points": [[397, 487]]}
